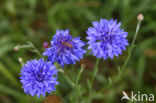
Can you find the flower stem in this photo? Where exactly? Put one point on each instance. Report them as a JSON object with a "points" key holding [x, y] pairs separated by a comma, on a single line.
{"points": [[34, 48], [95, 71], [77, 86], [79, 75], [131, 48], [92, 79]]}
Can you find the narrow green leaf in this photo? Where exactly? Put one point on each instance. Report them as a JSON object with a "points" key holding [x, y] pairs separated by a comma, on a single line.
{"points": [[8, 75], [10, 91]]}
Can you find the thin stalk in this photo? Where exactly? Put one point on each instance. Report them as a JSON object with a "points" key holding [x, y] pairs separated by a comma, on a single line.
{"points": [[79, 75], [34, 48], [92, 79], [77, 89], [95, 71], [131, 48]]}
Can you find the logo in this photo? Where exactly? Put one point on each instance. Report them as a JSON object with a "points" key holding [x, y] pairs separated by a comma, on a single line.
{"points": [[137, 96]]}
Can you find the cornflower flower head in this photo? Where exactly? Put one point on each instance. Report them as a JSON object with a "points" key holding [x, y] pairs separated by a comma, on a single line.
{"points": [[64, 48], [106, 38], [38, 77]]}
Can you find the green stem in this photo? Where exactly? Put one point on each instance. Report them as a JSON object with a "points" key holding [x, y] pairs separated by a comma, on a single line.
{"points": [[95, 71], [131, 48], [34, 48], [77, 89], [92, 79], [79, 75]]}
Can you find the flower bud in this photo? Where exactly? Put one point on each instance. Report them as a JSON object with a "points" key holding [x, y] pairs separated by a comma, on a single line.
{"points": [[83, 65], [45, 45], [140, 17], [16, 48], [20, 59]]}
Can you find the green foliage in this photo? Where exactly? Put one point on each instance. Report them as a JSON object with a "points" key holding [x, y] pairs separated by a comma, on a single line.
{"points": [[37, 21]]}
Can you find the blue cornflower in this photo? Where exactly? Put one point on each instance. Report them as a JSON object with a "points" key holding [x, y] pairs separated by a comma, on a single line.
{"points": [[106, 38], [64, 48], [38, 77]]}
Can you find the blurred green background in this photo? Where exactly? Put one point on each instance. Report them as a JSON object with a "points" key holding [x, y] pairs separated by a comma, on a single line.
{"points": [[37, 21]]}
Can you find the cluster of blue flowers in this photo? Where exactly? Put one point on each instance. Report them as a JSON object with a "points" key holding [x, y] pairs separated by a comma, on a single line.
{"points": [[105, 39]]}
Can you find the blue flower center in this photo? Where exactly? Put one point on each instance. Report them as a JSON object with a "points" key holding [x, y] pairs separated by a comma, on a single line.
{"points": [[40, 77], [103, 38], [64, 44]]}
